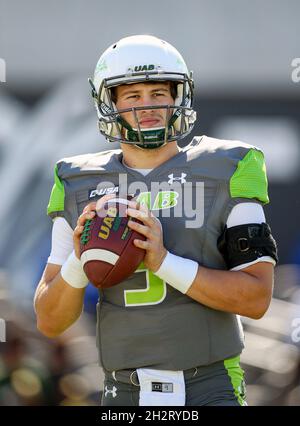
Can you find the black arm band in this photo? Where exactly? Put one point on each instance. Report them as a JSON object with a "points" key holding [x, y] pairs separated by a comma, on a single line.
{"points": [[246, 243]]}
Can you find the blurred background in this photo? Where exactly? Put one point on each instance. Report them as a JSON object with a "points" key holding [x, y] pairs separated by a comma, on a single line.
{"points": [[242, 55]]}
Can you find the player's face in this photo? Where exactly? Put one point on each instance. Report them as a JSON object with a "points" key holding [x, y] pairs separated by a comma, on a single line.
{"points": [[145, 94]]}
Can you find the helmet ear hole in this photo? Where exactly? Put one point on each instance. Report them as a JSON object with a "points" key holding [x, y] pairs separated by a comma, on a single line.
{"points": [[173, 89], [113, 94]]}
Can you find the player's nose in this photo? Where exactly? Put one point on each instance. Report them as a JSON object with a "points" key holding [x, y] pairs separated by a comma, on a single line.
{"points": [[146, 99]]}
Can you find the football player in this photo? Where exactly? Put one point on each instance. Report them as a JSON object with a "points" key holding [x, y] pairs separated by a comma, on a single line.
{"points": [[171, 333]]}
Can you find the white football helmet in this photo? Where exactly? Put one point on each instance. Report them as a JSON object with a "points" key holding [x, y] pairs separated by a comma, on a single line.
{"points": [[139, 59]]}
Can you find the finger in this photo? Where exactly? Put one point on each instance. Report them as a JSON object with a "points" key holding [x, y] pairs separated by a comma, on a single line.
{"points": [[142, 229], [133, 204], [146, 217], [145, 209], [78, 231], [141, 244], [89, 207], [84, 217], [138, 214], [100, 203]]}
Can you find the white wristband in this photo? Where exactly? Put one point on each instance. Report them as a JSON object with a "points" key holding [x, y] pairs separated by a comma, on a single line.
{"points": [[73, 273], [178, 272]]}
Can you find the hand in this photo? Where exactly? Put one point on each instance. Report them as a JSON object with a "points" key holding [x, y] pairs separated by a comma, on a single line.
{"points": [[89, 212], [152, 230]]}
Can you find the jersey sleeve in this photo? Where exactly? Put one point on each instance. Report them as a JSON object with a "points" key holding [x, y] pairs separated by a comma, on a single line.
{"points": [[61, 241], [56, 205], [249, 180]]}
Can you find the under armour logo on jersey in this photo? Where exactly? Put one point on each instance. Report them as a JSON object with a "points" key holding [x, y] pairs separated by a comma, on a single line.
{"points": [[113, 391], [172, 179]]}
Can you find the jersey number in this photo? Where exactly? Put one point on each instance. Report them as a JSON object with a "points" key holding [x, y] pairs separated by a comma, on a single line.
{"points": [[156, 289], [154, 293]]}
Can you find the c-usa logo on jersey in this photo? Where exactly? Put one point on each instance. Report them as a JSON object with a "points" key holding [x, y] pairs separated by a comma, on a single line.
{"points": [[103, 191]]}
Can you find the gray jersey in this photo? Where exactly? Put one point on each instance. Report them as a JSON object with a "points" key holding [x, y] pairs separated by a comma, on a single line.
{"points": [[143, 321]]}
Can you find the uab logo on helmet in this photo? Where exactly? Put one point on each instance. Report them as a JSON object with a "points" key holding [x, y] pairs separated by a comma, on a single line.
{"points": [[139, 68]]}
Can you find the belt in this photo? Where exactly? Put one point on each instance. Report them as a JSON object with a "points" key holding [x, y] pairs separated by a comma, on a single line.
{"points": [[131, 377]]}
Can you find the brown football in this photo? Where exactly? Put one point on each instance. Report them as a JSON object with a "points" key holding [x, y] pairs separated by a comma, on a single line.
{"points": [[107, 252]]}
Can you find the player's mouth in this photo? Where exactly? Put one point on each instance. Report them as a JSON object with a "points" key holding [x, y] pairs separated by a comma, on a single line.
{"points": [[150, 122]]}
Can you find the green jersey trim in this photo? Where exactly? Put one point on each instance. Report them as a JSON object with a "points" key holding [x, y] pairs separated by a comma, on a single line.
{"points": [[250, 178], [236, 375], [57, 197]]}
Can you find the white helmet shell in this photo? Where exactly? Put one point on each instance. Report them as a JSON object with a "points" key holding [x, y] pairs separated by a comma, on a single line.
{"points": [[136, 54]]}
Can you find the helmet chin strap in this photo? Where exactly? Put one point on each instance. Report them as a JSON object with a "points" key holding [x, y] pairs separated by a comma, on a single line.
{"points": [[152, 146], [150, 137]]}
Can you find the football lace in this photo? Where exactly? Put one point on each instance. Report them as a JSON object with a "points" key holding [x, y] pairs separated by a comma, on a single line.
{"points": [[86, 234]]}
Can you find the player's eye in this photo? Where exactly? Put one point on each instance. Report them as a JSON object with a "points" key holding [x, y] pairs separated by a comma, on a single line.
{"points": [[132, 97]]}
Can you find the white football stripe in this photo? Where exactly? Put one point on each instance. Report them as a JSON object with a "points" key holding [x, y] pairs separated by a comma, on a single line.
{"points": [[99, 254]]}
